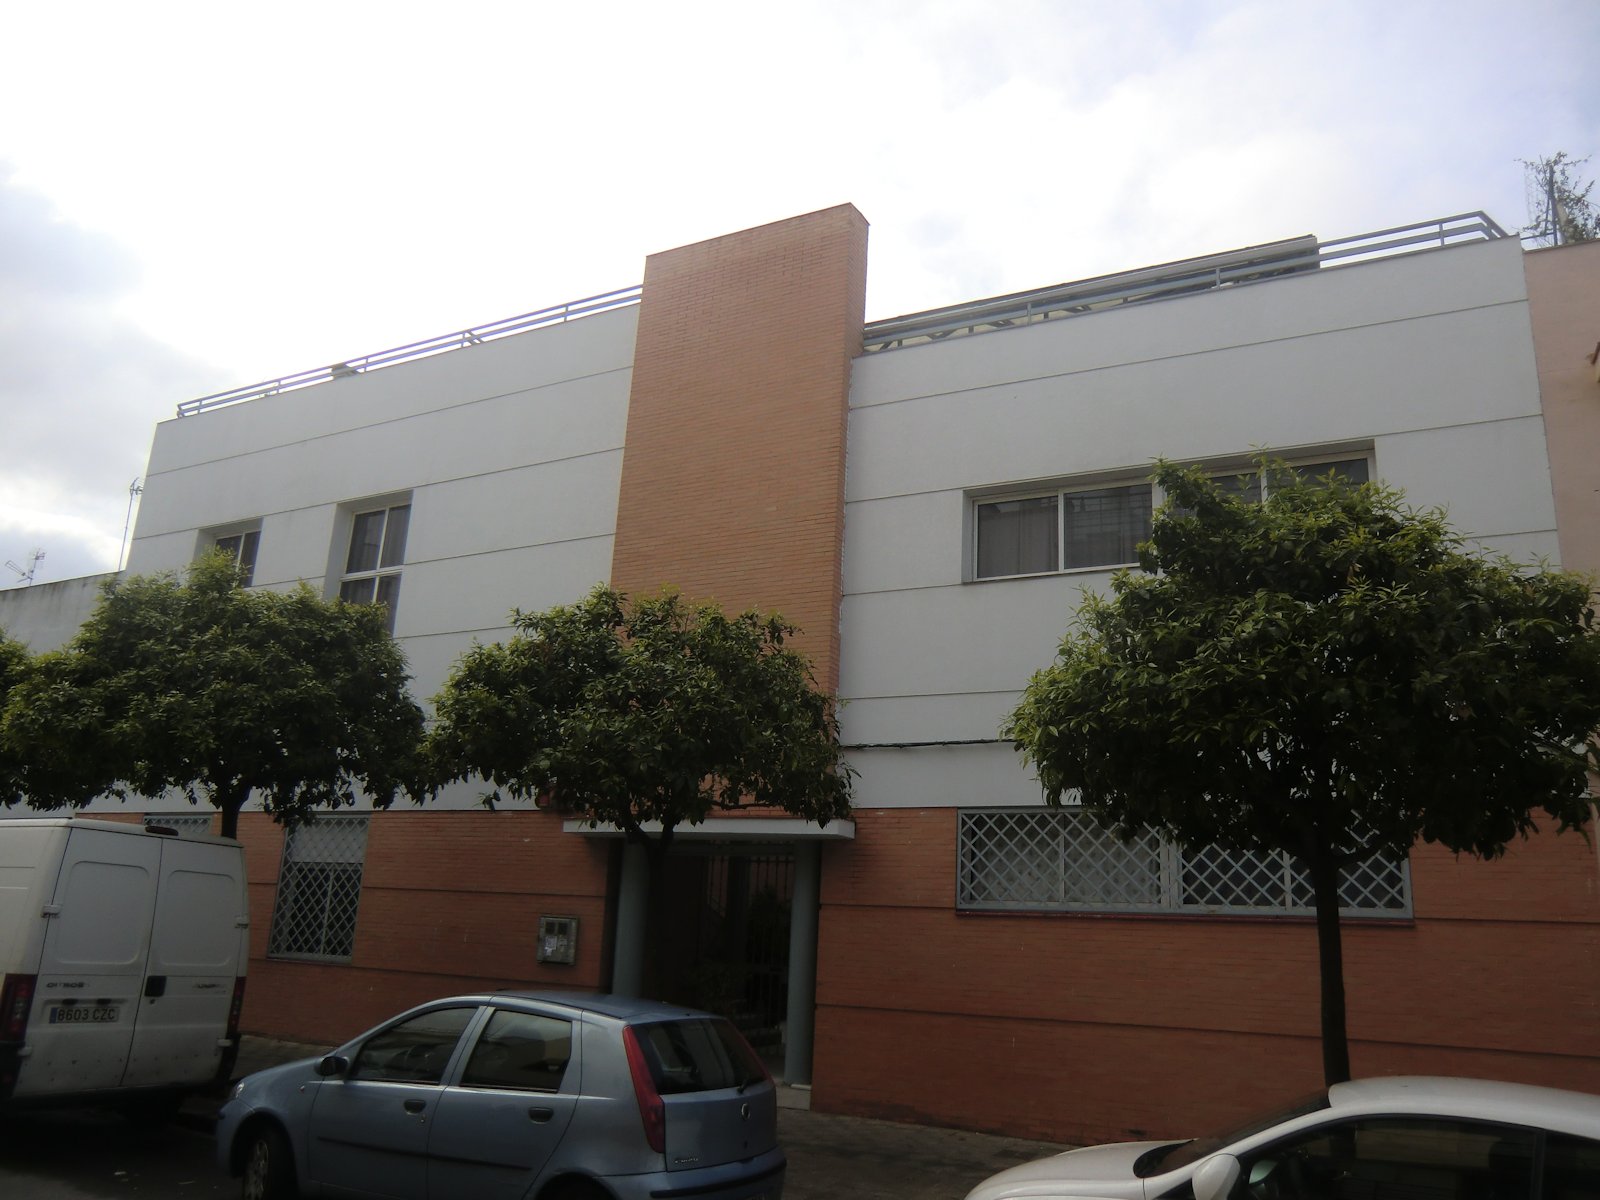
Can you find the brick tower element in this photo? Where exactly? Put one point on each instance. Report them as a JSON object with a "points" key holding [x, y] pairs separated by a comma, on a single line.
{"points": [[733, 471]]}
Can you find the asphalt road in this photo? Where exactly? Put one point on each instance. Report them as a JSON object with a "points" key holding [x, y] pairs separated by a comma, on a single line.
{"points": [[93, 1156]]}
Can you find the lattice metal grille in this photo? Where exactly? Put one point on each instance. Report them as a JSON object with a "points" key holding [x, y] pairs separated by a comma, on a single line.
{"points": [[1061, 859], [319, 889], [1103, 871], [1010, 860], [184, 824]]}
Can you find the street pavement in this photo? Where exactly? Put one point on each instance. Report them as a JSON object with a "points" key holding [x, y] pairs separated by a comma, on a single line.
{"points": [[829, 1156]]}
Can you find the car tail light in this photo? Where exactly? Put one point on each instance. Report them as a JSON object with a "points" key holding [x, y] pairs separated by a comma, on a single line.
{"points": [[16, 1001], [651, 1108]]}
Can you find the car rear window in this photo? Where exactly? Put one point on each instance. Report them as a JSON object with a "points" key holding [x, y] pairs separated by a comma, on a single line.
{"points": [[697, 1055]]}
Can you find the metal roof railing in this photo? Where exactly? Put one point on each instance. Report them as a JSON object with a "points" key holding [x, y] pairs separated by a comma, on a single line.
{"points": [[556, 314], [1231, 268]]}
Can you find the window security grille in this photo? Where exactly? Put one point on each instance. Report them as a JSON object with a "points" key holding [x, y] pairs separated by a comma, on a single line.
{"points": [[1058, 858], [319, 889], [184, 824]]}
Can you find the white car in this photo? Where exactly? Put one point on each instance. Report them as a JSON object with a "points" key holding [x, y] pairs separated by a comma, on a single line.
{"points": [[1399, 1138]]}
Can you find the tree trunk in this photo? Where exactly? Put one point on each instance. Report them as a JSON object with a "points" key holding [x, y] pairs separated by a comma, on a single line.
{"points": [[229, 803], [1324, 870]]}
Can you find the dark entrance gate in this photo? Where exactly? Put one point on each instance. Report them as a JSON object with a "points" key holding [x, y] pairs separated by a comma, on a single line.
{"points": [[728, 935]]}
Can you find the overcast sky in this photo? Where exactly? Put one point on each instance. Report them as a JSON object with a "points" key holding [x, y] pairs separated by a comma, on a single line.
{"points": [[198, 196]]}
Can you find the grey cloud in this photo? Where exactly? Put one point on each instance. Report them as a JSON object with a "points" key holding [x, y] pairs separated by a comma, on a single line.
{"points": [[81, 389]]}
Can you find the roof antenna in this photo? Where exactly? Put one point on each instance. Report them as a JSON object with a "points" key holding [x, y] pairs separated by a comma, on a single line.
{"points": [[134, 489], [33, 565]]}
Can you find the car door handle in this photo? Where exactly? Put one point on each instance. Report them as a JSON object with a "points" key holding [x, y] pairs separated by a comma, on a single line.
{"points": [[541, 1115], [415, 1106], [155, 986]]}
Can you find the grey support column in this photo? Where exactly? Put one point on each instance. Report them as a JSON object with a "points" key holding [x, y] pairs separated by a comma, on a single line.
{"points": [[802, 1015], [627, 954]]}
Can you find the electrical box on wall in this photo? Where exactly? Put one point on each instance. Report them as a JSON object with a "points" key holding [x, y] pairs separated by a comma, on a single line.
{"points": [[558, 939]]}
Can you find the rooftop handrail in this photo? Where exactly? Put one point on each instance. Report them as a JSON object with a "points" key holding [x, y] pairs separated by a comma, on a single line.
{"points": [[554, 315], [1250, 264]]}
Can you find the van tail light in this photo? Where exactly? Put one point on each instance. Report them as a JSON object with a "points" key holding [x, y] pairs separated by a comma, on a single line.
{"points": [[651, 1108], [16, 1002], [230, 1042], [235, 1008]]}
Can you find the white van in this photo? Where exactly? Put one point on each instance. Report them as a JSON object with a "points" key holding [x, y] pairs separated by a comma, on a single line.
{"points": [[122, 962]]}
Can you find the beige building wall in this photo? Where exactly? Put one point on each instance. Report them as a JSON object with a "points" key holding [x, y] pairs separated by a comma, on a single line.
{"points": [[1564, 307]]}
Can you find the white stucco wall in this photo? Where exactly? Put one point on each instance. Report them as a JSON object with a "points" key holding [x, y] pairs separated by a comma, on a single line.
{"points": [[45, 616], [1424, 361], [510, 453]]}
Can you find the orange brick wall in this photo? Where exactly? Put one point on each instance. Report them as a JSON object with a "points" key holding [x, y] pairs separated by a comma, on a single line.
{"points": [[450, 902], [1092, 1027], [733, 472]]}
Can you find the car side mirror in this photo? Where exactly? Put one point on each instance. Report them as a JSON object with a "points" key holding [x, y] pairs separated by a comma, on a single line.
{"points": [[333, 1064], [1215, 1177]]}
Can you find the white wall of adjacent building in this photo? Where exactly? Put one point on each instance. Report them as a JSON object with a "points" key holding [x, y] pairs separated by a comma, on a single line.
{"points": [[1423, 363]]}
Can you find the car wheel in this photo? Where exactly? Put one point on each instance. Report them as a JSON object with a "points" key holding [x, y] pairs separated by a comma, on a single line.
{"points": [[268, 1167]]}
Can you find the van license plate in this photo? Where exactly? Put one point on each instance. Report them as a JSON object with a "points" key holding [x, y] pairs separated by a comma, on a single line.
{"points": [[83, 1014]]}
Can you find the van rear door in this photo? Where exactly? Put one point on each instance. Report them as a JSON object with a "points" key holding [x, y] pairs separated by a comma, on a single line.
{"points": [[92, 970], [197, 949]]}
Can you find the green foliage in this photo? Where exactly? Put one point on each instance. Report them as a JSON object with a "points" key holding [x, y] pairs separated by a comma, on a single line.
{"points": [[1325, 673], [218, 691], [650, 710], [1560, 206], [15, 665]]}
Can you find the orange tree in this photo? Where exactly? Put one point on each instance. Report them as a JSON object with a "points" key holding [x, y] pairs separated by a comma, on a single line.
{"points": [[15, 664], [218, 691], [1326, 673], [633, 713]]}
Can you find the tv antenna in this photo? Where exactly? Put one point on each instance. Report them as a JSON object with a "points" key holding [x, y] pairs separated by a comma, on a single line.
{"points": [[33, 565], [134, 489]]}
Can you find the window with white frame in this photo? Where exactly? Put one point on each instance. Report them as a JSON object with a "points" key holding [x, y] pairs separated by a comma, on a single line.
{"points": [[241, 546], [377, 552], [1068, 529], [1060, 859], [319, 889], [1081, 528], [1252, 486]]}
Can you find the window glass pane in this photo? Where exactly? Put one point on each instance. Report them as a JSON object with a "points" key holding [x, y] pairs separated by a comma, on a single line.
{"points": [[1010, 859], [366, 535], [520, 1050], [389, 596], [414, 1051], [394, 536], [1103, 871], [1351, 470], [1104, 527], [247, 556], [1245, 486], [1418, 1158], [319, 889], [1571, 1168], [697, 1056], [357, 591], [1062, 860], [1017, 537], [1217, 878]]}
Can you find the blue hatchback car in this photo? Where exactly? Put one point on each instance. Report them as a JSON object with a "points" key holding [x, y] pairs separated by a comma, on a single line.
{"points": [[515, 1096]]}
